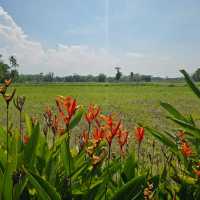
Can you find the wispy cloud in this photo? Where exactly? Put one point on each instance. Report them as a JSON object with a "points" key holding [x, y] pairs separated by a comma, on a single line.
{"points": [[64, 59]]}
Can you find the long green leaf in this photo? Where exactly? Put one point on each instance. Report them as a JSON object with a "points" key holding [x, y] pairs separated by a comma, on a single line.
{"points": [[28, 124], [7, 185], [188, 127], [165, 140], [44, 189], [134, 186], [173, 111], [76, 119], [66, 157], [30, 148], [189, 81]]}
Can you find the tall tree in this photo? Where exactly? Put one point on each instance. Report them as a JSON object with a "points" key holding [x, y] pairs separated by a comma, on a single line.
{"points": [[4, 70], [101, 77], [118, 74], [13, 66], [131, 76]]}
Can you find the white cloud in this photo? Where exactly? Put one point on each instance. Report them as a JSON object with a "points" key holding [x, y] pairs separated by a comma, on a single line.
{"points": [[33, 57]]}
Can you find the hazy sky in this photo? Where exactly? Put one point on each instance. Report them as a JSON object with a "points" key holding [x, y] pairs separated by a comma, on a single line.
{"points": [[156, 37]]}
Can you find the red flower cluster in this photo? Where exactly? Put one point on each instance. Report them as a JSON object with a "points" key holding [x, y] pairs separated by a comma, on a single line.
{"points": [[91, 115], [111, 128], [186, 149], [184, 146], [67, 108], [122, 139], [98, 134]]}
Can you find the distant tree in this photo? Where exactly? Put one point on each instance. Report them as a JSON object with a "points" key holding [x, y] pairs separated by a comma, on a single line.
{"points": [[49, 77], [13, 68], [196, 75], [146, 78], [118, 74], [101, 77], [4, 70], [13, 62], [131, 76]]}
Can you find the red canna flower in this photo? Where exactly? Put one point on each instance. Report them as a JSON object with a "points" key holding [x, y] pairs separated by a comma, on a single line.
{"points": [[67, 108], [26, 139], [122, 139], [98, 134], [111, 129], [139, 134], [92, 113], [186, 149]]}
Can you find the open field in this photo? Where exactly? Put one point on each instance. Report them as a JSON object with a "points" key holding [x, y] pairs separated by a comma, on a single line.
{"points": [[56, 157], [134, 103]]}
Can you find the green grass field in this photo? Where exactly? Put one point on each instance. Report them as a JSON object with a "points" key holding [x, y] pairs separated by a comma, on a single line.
{"points": [[134, 103]]}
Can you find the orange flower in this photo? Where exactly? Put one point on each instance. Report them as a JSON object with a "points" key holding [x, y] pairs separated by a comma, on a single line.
{"points": [[26, 139], [186, 150], [67, 108], [111, 129], [8, 82], [98, 134], [122, 139], [139, 134], [92, 113]]}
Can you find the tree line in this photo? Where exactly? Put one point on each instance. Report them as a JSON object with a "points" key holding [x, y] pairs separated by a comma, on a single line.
{"points": [[10, 70]]}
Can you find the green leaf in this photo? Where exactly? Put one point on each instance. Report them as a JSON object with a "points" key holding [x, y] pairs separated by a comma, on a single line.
{"points": [[66, 157], [1, 166], [162, 138], [76, 119], [188, 127], [130, 166], [7, 185], [131, 190], [44, 189], [173, 111], [191, 83], [29, 125], [31, 147], [18, 188]]}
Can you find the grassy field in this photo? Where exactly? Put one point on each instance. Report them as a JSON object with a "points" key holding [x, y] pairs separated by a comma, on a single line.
{"points": [[134, 103]]}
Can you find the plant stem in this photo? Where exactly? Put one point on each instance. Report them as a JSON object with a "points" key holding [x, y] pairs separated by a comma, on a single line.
{"points": [[69, 163], [109, 156], [20, 126], [138, 155], [7, 129]]}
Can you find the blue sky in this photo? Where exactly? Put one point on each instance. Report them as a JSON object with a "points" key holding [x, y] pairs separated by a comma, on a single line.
{"points": [[92, 36]]}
